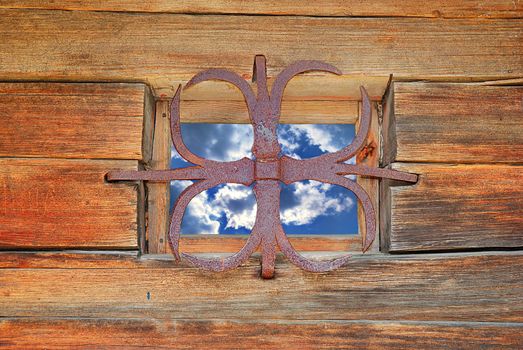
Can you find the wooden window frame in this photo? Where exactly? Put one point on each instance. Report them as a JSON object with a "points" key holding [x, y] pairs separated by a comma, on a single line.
{"points": [[299, 106]]}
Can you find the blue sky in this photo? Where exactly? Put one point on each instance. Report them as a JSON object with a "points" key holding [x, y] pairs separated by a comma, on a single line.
{"points": [[307, 207]]}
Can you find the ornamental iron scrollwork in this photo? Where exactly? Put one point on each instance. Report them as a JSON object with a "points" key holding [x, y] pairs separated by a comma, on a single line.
{"points": [[268, 168]]}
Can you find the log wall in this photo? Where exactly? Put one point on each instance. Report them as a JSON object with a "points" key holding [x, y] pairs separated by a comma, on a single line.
{"points": [[84, 89]]}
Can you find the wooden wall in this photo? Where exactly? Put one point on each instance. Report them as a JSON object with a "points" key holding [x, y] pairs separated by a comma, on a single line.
{"points": [[83, 84]]}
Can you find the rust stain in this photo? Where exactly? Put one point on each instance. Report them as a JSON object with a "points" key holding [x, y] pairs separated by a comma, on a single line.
{"points": [[366, 152], [266, 170]]}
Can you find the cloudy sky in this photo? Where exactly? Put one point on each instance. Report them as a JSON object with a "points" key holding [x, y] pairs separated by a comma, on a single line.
{"points": [[307, 207]]}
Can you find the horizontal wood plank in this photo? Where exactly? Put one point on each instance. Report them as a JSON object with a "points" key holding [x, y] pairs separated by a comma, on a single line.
{"points": [[452, 287], [338, 8], [456, 207], [71, 120], [86, 259], [45, 333], [84, 45], [292, 112], [202, 243], [47, 203], [458, 123], [314, 87]]}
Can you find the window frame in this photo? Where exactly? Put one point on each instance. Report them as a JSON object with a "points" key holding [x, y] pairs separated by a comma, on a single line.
{"points": [[156, 196]]}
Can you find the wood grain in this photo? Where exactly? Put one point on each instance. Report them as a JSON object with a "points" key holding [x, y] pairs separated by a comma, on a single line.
{"points": [[202, 243], [42, 333], [311, 86], [292, 112], [148, 125], [71, 120], [158, 194], [83, 45], [69, 259], [338, 8], [457, 207], [452, 287], [47, 203], [458, 123], [369, 156]]}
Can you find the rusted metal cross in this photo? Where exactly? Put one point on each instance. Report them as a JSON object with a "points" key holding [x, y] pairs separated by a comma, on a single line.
{"points": [[268, 168]]}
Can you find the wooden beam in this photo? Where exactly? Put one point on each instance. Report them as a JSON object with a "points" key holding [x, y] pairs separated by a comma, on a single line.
{"points": [[483, 287], [201, 243], [45, 333], [292, 112], [455, 207], [369, 156], [158, 193], [456, 123], [71, 120], [315, 87], [69, 259], [51, 203], [336, 8], [83, 45]]}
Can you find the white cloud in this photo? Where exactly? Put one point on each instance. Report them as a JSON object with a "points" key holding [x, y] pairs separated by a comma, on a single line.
{"points": [[237, 204], [234, 202], [197, 214], [222, 142], [318, 135], [289, 141], [312, 201]]}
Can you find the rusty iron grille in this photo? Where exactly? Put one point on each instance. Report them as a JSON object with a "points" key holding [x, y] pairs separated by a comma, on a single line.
{"points": [[266, 170]]}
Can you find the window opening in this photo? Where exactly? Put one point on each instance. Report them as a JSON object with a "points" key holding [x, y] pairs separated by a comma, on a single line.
{"points": [[306, 207]]}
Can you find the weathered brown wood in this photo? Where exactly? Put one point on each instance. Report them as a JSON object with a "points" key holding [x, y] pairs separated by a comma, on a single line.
{"points": [[293, 112], [369, 156], [42, 333], [388, 147], [148, 125], [233, 243], [71, 120], [337, 8], [457, 123], [324, 89], [82, 45], [48, 203], [457, 207], [388, 129], [451, 287], [69, 259], [158, 194]]}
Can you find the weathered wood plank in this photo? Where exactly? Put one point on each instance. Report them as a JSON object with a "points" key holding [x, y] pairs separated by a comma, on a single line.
{"points": [[68, 259], [292, 112], [457, 123], [48, 203], [337, 8], [81, 45], [456, 207], [312, 86], [45, 333], [232, 243], [369, 156], [71, 120], [148, 125], [484, 287], [158, 194]]}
